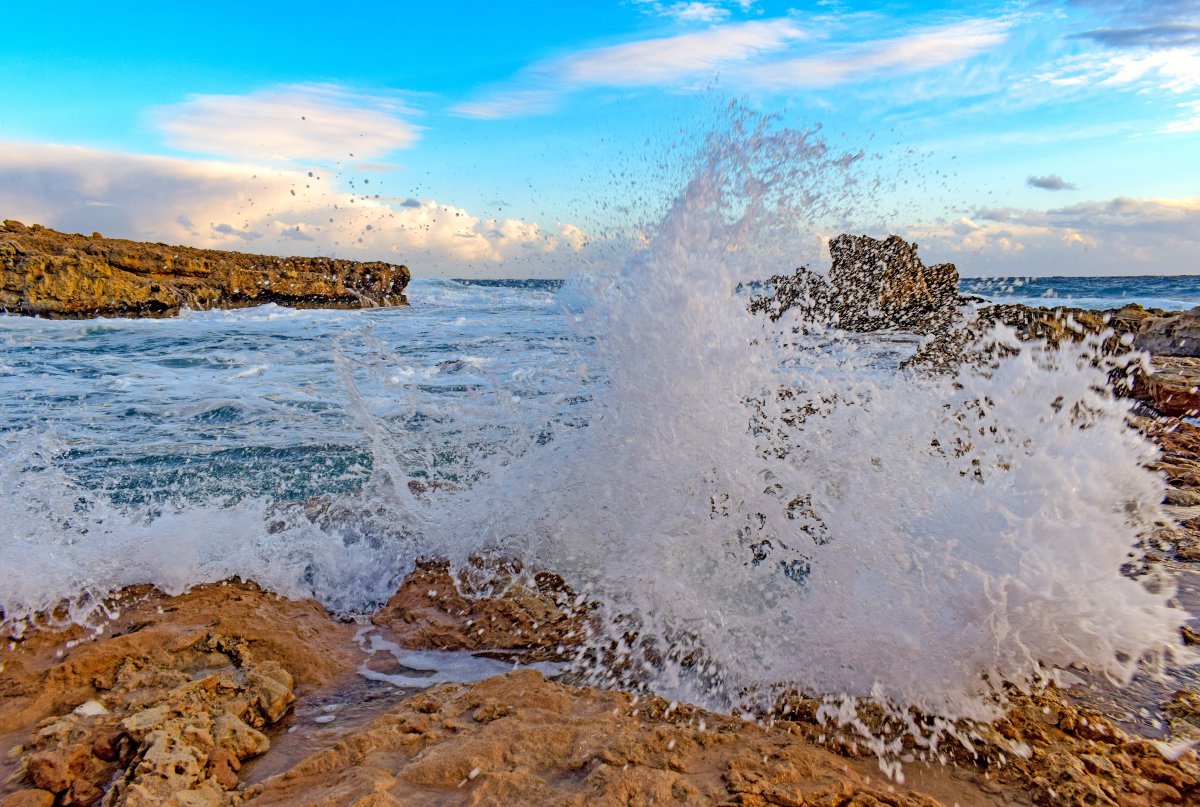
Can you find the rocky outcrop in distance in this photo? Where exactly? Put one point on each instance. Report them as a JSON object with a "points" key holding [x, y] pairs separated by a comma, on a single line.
{"points": [[883, 284], [50, 274]]}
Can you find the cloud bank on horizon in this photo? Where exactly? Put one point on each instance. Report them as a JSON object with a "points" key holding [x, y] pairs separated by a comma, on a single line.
{"points": [[399, 137]]}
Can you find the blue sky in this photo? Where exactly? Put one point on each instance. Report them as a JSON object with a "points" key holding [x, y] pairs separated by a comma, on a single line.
{"points": [[1014, 138]]}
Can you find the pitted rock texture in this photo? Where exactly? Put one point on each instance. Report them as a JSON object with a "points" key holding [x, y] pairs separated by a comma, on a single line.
{"points": [[872, 285], [51, 274]]}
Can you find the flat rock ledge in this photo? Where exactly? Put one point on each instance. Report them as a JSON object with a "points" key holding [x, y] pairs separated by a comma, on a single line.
{"points": [[46, 273]]}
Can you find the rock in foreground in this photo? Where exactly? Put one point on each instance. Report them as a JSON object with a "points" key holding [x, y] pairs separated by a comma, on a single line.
{"points": [[51, 274], [208, 700]]}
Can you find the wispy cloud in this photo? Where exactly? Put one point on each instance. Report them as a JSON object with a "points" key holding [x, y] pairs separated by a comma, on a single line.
{"points": [[670, 59], [1144, 23], [299, 122], [1190, 123], [911, 53], [760, 54], [218, 204], [1051, 182], [695, 11]]}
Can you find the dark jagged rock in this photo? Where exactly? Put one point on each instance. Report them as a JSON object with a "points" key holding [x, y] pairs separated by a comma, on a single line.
{"points": [[47, 273], [872, 285]]}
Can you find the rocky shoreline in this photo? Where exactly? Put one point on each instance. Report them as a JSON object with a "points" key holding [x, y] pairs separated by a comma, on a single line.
{"points": [[229, 694], [46, 273]]}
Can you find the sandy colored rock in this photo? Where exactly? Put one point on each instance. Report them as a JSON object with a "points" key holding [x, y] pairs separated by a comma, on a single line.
{"points": [[168, 731], [52, 274], [562, 745], [28, 798], [168, 697], [541, 620], [170, 701]]}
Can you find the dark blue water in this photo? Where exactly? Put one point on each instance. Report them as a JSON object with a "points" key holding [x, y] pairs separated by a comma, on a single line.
{"points": [[1173, 293]]}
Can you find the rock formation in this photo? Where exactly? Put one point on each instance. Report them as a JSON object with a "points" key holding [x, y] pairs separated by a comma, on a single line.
{"points": [[1177, 334], [164, 703], [47, 273], [872, 285]]}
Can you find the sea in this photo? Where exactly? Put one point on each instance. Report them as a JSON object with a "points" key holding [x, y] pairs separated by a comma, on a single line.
{"points": [[755, 503]]}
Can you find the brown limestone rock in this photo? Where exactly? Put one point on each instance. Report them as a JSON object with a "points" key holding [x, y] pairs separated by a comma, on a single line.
{"points": [[562, 745], [1172, 387], [47, 273], [151, 742], [28, 798], [538, 622], [165, 700]]}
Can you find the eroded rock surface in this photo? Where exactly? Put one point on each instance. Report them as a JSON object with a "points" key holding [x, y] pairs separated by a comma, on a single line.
{"points": [[519, 739], [1172, 386], [47, 273], [1177, 334], [540, 622], [872, 285], [174, 694]]}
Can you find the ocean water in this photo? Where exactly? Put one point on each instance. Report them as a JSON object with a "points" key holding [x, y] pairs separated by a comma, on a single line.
{"points": [[1170, 293], [747, 503]]}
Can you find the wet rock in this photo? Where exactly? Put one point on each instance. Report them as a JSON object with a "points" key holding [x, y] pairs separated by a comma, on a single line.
{"points": [[539, 619], [178, 692], [1175, 335], [47, 273], [561, 745], [1172, 386], [871, 285], [28, 798], [161, 704]]}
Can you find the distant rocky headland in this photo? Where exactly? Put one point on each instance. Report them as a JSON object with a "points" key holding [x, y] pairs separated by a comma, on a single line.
{"points": [[50, 274]]}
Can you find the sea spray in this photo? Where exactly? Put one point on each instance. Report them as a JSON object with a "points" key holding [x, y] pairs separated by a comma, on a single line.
{"points": [[753, 504]]}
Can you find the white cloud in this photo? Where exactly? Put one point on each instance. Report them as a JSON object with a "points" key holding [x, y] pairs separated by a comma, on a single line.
{"points": [[1171, 70], [911, 53], [669, 59], [224, 205], [695, 11], [1117, 236], [751, 55], [1175, 70], [299, 122], [1187, 124]]}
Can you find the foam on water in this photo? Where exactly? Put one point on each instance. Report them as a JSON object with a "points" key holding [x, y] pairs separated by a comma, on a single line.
{"points": [[750, 503]]}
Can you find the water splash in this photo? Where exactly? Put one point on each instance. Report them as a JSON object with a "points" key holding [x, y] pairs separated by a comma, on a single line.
{"points": [[755, 504]]}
